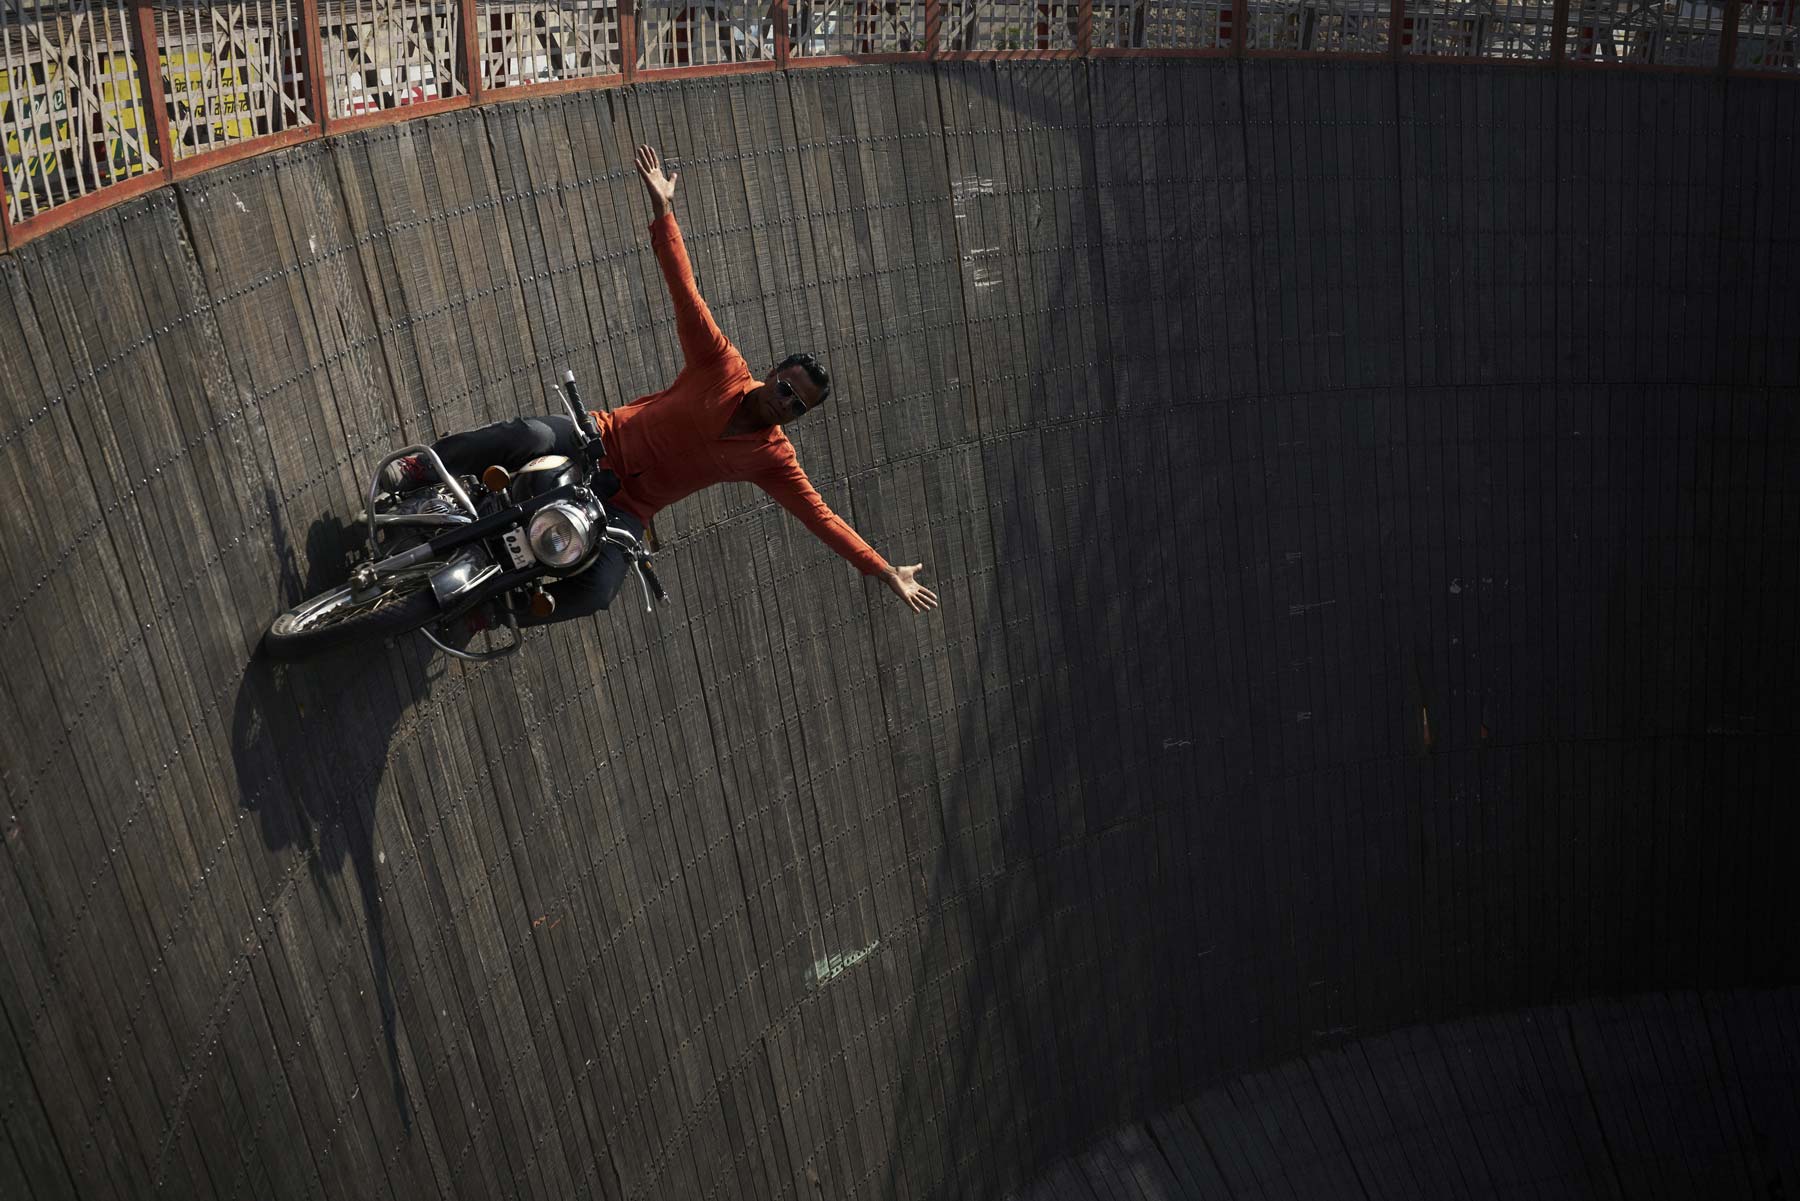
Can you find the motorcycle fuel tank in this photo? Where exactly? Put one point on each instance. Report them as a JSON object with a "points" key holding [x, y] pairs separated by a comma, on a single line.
{"points": [[543, 474]]}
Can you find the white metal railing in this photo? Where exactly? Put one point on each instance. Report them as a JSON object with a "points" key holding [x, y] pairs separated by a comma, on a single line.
{"points": [[80, 118]]}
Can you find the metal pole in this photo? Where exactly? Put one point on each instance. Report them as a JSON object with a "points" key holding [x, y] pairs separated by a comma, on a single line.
{"points": [[934, 19], [627, 40], [471, 51], [778, 14], [147, 50], [318, 98], [1084, 29], [1559, 21], [1728, 38]]}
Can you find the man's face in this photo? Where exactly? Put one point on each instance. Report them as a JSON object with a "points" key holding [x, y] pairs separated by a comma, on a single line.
{"points": [[778, 399]]}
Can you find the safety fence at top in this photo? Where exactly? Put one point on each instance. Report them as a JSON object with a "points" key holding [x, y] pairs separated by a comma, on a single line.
{"points": [[104, 99]]}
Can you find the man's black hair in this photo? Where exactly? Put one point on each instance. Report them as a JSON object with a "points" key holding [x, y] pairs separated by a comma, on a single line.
{"points": [[817, 374]]}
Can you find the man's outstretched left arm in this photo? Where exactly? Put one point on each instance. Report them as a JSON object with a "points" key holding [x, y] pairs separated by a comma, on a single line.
{"points": [[701, 341], [790, 487]]}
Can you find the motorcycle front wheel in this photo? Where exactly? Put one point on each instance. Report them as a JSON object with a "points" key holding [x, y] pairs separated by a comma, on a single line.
{"points": [[402, 602]]}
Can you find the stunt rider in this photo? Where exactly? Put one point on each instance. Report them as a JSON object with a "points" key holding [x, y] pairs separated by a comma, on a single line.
{"points": [[716, 422]]}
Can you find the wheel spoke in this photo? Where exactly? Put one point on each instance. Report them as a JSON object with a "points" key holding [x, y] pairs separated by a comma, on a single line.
{"points": [[339, 606]]}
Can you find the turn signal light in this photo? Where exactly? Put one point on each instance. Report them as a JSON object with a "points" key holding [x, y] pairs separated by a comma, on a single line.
{"points": [[496, 478]]}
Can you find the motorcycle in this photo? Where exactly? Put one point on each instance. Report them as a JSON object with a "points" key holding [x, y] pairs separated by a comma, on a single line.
{"points": [[438, 552]]}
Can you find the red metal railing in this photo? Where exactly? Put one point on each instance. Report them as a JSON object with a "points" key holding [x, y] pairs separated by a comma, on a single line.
{"points": [[490, 58]]}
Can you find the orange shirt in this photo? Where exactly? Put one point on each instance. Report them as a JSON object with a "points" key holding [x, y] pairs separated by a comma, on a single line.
{"points": [[666, 445]]}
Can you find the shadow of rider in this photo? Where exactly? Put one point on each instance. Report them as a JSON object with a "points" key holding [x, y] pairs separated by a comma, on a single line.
{"points": [[311, 744]]}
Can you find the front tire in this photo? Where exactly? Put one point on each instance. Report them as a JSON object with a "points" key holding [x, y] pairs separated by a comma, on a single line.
{"points": [[339, 618]]}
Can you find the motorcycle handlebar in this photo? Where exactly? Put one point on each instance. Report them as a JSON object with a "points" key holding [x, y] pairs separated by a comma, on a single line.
{"points": [[584, 421], [578, 412], [655, 584]]}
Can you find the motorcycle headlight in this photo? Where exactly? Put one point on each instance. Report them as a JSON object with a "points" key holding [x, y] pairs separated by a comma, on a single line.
{"points": [[559, 535]]}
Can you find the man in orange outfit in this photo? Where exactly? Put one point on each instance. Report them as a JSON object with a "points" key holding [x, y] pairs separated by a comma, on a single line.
{"points": [[716, 422]]}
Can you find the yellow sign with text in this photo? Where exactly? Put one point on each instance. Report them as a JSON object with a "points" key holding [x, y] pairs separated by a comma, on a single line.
{"points": [[56, 147], [212, 99]]}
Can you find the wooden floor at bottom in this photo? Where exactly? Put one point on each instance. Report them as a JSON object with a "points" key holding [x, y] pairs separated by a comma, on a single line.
{"points": [[1667, 1095]]}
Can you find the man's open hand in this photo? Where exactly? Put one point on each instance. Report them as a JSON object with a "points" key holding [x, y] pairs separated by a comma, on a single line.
{"points": [[904, 581], [661, 187]]}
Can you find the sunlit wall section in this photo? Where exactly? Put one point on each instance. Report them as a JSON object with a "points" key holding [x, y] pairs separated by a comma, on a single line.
{"points": [[538, 42], [231, 72], [1515, 29], [388, 54], [676, 34], [70, 110], [858, 27]]}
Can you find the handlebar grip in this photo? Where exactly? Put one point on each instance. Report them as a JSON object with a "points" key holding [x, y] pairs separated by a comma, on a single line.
{"points": [[578, 412], [655, 584]]}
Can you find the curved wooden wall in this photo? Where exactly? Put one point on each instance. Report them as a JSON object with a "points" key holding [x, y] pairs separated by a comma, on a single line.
{"points": [[1355, 490]]}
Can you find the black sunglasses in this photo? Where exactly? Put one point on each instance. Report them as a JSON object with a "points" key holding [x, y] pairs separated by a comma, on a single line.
{"points": [[796, 406]]}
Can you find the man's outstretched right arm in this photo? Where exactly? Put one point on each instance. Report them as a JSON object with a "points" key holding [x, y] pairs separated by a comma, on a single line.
{"points": [[699, 334], [787, 483]]}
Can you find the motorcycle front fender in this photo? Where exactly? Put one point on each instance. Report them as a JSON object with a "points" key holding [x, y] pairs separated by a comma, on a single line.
{"points": [[453, 583]]}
